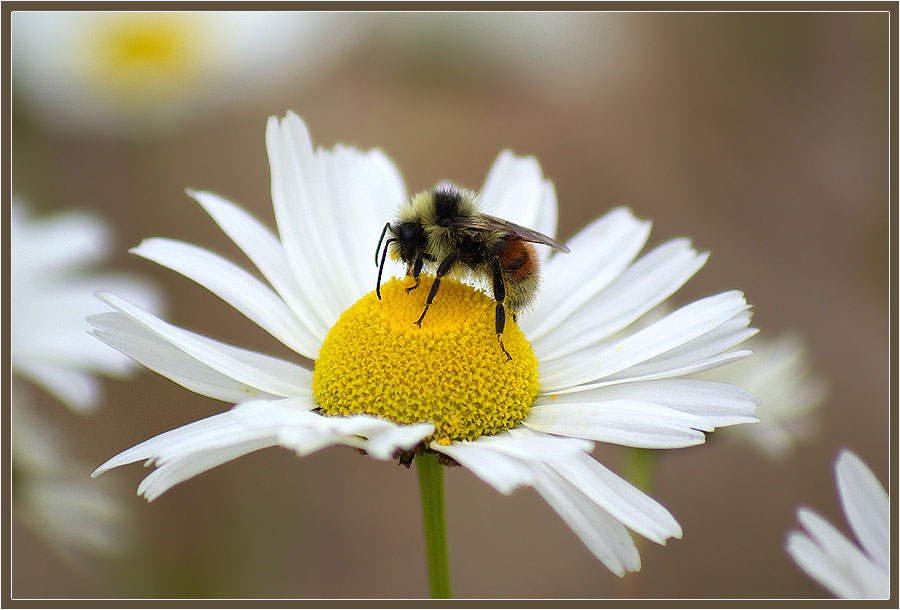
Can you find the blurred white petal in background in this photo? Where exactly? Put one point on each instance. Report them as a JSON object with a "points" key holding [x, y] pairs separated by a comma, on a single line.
{"points": [[573, 51], [51, 293], [53, 494], [781, 375], [137, 72], [850, 571]]}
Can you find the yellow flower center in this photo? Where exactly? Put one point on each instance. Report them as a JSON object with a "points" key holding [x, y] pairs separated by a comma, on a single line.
{"points": [[141, 56], [452, 371]]}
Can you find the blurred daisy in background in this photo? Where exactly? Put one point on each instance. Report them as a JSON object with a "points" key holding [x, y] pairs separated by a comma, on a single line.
{"points": [[51, 294], [446, 389], [51, 491], [569, 52], [781, 375], [140, 71], [850, 571]]}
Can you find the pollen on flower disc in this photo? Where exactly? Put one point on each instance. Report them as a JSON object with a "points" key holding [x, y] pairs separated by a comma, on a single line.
{"points": [[452, 371], [139, 57]]}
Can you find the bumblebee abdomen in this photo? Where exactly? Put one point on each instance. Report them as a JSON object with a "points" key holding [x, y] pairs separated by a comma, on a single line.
{"points": [[518, 258], [519, 262], [521, 292]]}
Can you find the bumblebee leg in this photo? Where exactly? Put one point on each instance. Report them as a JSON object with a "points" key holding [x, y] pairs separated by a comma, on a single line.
{"points": [[416, 270], [383, 258], [442, 270], [499, 296]]}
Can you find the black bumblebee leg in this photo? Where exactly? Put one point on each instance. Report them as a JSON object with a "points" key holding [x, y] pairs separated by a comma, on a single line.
{"points": [[499, 296], [381, 267], [442, 270], [416, 270]]}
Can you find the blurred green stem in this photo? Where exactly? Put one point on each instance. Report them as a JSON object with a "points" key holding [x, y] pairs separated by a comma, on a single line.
{"points": [[640, 470], [431, 486]]}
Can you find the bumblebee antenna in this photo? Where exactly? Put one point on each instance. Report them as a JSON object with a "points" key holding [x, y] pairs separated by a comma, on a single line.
{"points": [[381, 266], [378, 248]]}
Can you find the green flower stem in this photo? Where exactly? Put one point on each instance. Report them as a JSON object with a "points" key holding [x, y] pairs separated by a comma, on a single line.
{"points": [[431, 485], [640, 468]]}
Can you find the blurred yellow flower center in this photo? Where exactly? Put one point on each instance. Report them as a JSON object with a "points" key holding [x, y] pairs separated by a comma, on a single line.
{"points": [[140, 54], [451, 371]]}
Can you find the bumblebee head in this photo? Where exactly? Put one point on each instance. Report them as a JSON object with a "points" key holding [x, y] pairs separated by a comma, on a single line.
{"points": [[408, 241]]}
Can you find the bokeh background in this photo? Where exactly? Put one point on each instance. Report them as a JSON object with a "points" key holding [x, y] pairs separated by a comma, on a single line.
{"points": [[762, 137]]}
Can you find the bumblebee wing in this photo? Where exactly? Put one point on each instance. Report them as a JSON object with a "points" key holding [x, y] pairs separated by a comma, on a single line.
{"points": [[486, 222]]}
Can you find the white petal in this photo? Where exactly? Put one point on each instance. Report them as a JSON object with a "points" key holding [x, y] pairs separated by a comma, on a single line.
{"points": [[720, 404], [72, 513], [365, 190], [526, 445], [813, 560], [773, 441], [514, 189], [266, 252], [179, 470], [267, 374], [862, 577], [51, 294], [172, 444], [498, 459], [600, 252], [708, 345], [593, 501], [306, 432], [326, 204], [185, 452], [619, 498], [235, 286], [79, 390], [547, 219], [643, 285], [691, 322], [696, 367], [781, 375], [295, 196], [59, 242], [501, 472], [384, 443], [602, 534], [866, 506], [160, 356], [52, 327], [631, 423], [506, 462]]}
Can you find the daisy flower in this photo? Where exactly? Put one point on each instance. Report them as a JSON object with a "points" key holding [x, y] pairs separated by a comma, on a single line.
{"points": [[848, 570], [385, 386], [51, 294], [781, 375], [137, 71], [51, 290], [51, 493]]}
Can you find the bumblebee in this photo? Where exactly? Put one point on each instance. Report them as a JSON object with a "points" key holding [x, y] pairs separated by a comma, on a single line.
{"points": [[444, 227]]}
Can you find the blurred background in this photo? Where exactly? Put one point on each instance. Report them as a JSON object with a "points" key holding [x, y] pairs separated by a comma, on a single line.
{"points": [[762, 137]]}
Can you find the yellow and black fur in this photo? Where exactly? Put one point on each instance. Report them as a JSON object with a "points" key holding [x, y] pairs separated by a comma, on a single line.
{"points": [[443, 227]]}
